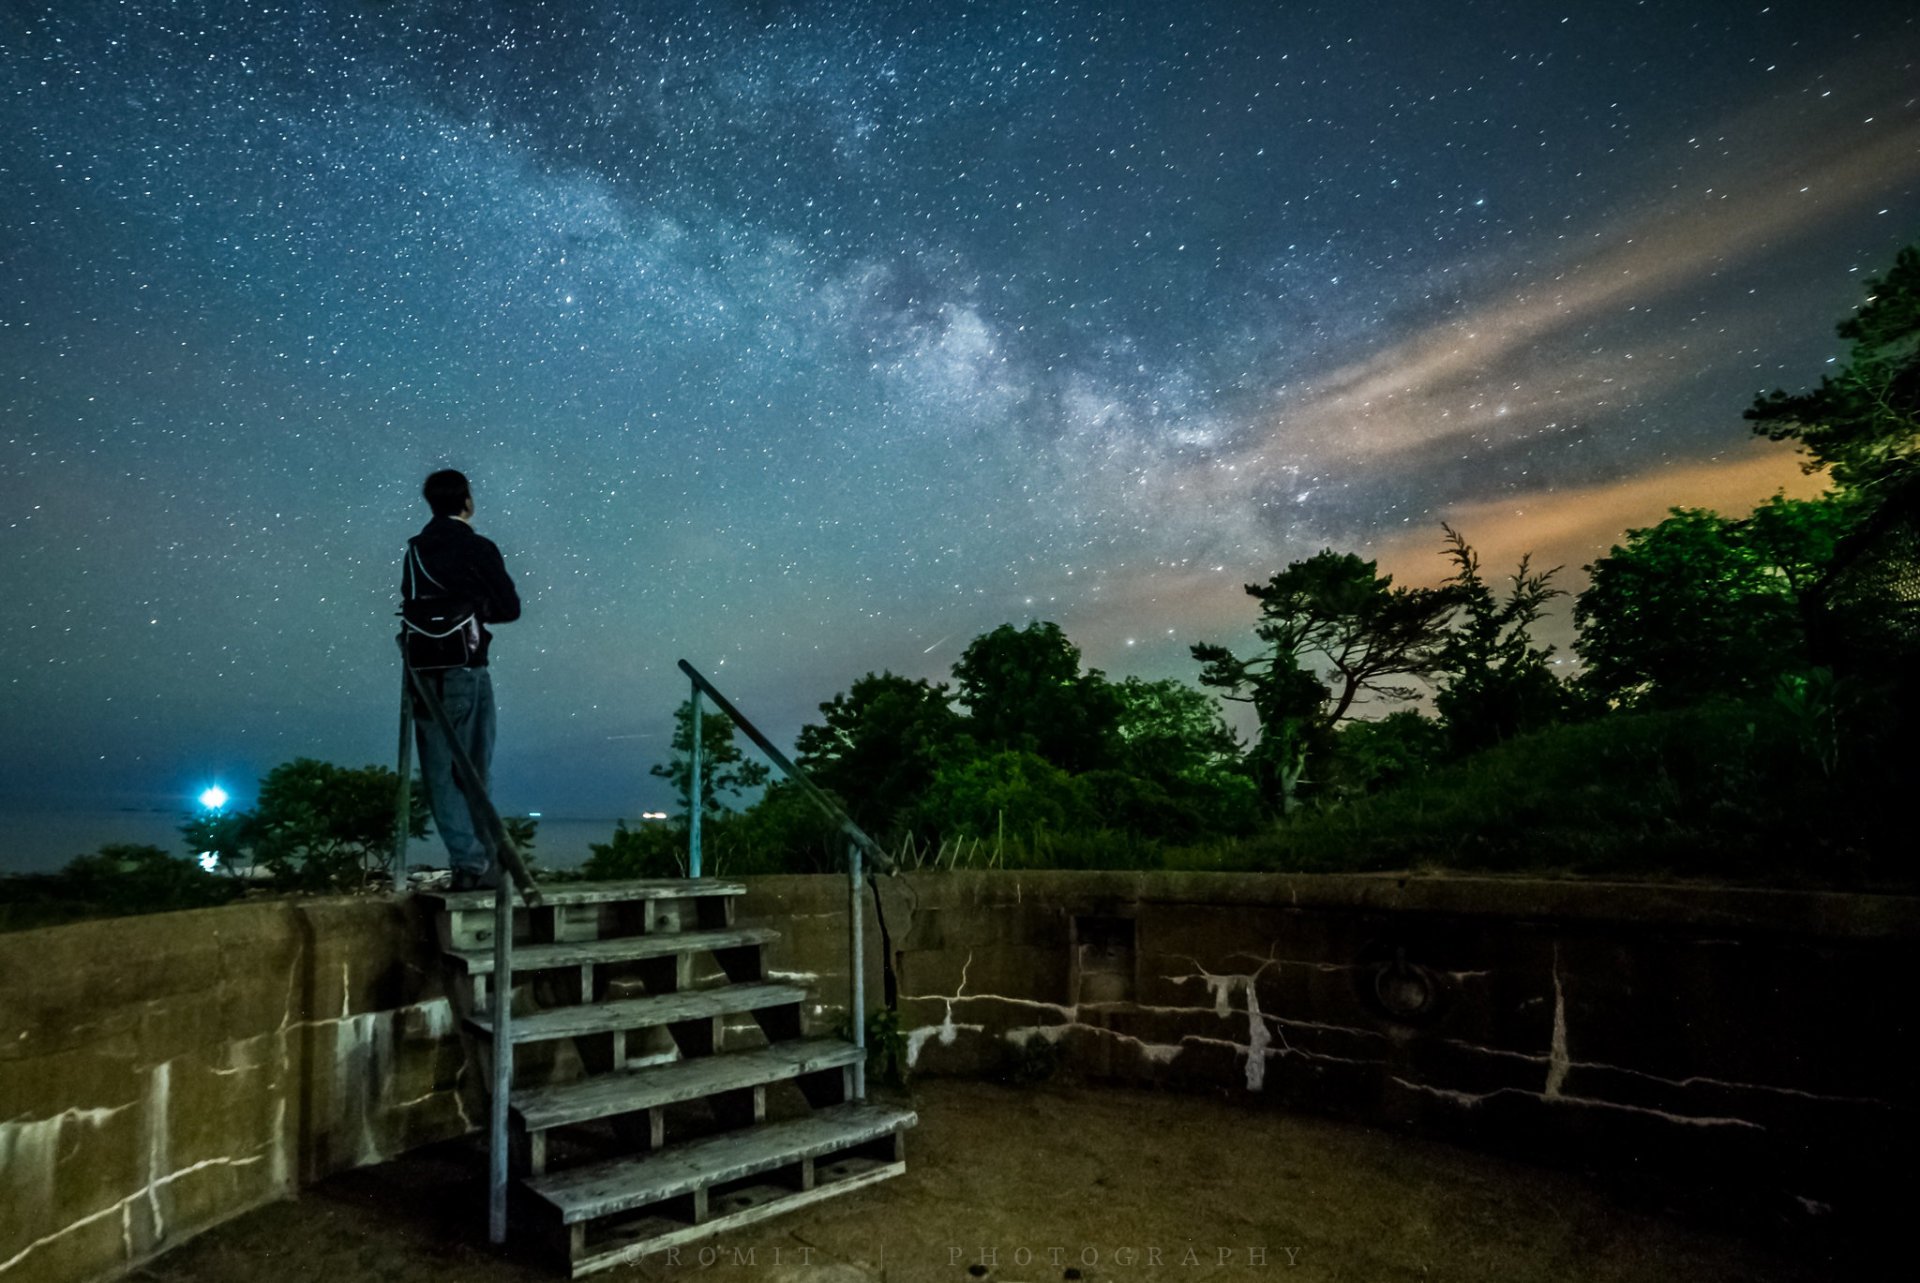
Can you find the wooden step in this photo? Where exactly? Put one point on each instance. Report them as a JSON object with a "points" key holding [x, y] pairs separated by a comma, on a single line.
{"points": [[624, 1184], [568, 1103], [640, 1013], [567, 893], [743, 1205], [538, 957]]}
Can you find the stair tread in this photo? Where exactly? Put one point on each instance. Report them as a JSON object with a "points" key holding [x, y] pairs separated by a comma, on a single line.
{"points": [[639, 1013], [576, 1102], [595, 892], [534, 957], [649, 1235], [602, 1189]]}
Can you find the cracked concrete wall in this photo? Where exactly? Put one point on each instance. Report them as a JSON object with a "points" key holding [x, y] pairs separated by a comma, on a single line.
{"points": [[161, 1074], [1743, 1051]]}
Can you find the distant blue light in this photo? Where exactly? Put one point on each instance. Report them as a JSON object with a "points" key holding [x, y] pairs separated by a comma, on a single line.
{"points": [[214, 798]]}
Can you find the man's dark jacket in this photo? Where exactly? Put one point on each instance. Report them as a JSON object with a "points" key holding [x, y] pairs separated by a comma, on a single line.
{"points": [[466, 565]]}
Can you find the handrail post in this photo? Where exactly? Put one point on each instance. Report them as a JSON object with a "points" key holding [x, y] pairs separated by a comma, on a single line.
{"points": [[511, 870], [857, 969], [403, 805], [502, 1061], [693, 794]]}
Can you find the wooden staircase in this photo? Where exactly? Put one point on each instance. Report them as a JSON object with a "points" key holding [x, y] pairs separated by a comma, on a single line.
{"points": [[665, 1091]]}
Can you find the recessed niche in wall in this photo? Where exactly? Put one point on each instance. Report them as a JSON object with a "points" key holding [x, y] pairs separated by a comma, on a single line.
{"points": [[1103, 959]]}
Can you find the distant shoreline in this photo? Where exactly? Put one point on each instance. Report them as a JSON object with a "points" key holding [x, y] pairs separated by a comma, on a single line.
{"points": [[43, 841]]}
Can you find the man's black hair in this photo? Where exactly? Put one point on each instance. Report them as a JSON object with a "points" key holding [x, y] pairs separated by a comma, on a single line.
{"points": [[446, 492]]}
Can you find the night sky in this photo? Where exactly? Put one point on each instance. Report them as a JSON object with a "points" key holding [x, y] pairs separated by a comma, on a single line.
{"points": [[803, 339]]}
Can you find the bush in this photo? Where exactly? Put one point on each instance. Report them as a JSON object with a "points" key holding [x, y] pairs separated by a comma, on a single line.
{"points": [[1725, 789], [1015, 794], [120, 879], [322, 826], [651, 851]]}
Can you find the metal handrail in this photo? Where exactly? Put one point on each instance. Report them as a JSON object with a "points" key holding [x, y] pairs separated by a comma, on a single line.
{"points": [[875, 853], [858, 844], [480, 806]]}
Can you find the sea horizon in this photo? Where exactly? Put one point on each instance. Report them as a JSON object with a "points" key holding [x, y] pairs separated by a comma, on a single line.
{"points": [[45, 840]]}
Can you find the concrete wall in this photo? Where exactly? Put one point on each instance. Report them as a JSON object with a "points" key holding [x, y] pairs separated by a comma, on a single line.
{"points": [[1747, 1053], [1745, 1050], [161, 1074]]}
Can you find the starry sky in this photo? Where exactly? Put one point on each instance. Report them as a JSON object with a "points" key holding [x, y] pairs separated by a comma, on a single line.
{"points": [[802, 339]]}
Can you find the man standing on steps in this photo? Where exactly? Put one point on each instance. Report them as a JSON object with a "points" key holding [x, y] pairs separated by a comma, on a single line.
{"points": [[448, 558]]}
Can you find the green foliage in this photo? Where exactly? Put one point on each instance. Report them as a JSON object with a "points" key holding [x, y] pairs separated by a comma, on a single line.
{"points": [[879, 746], [1726, 788], [1372, 756], [724, 769], [1863, 421], [222, 834], [317, 825], [1704, 605], [1336, 631], [784, 832], [1134, 804], [1170, 731], [522, 831], [650, 851], [1014, 793], [1024, 691], [887, 1048], [119, 879], [1494, 681]]}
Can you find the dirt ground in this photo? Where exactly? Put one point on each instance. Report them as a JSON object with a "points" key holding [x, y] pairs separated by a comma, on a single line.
{"points": [[1019, 1185]]}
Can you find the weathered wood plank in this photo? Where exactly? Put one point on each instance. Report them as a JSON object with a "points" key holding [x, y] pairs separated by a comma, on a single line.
{"points": [[542, 957], [639, 1013], [564, 1105], [657, 1234], [605, 1189], [596, 892]]}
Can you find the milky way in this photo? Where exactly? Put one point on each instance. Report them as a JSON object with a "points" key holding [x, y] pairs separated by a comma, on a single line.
{"points": [[802, 339]]}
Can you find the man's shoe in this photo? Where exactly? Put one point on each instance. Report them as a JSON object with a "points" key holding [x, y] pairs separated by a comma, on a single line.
{"points": [[487, 879]]}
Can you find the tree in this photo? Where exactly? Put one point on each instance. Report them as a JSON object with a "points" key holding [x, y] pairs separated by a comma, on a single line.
{"points": [[1494, 682], [124, 877], [1169, 731], [879, 746], [1016, 793], [723, 767], [1334, 614], [321, 825], [1024, 690], [1374, 756], [1703, 605], [784, 832], [1863, 421], [650, 851], [224, 836]]}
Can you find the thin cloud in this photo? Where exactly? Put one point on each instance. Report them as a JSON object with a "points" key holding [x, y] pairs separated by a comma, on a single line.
{"points": [[1556, 345]]}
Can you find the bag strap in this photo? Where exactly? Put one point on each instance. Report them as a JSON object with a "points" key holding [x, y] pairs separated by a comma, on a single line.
{"points": [[416, 566]]}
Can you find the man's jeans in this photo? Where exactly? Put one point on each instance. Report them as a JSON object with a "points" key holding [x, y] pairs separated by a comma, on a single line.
{"points": [[467, 696]]}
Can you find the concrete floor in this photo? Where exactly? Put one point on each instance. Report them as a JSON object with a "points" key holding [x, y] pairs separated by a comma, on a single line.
{"points": [[1018, 1185]]}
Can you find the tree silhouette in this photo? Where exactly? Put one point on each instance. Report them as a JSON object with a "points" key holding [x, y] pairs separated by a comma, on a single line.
{"points": [[723, 767], [1336, 630]]}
